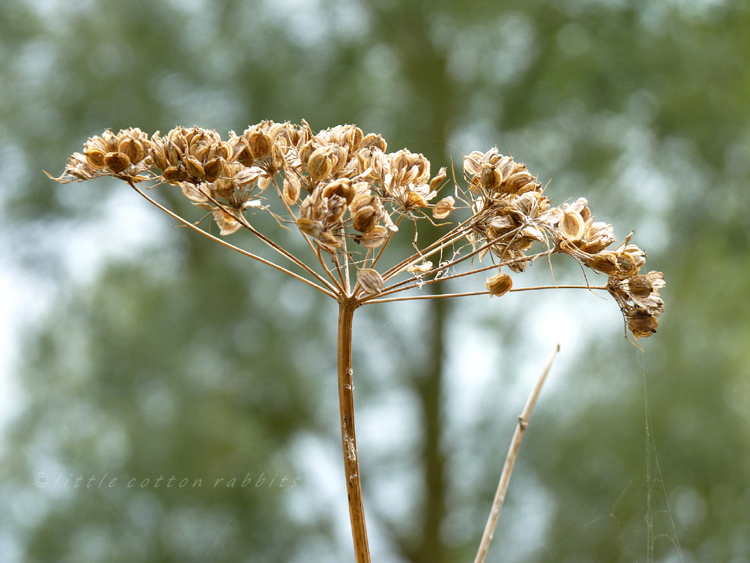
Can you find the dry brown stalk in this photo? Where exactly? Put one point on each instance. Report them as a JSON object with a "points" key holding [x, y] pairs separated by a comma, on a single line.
{"points": [[510, 460], [349, 199], [348, 433]]}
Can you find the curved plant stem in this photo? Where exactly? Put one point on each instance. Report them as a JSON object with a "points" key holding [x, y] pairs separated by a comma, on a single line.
{"points": [[523, 423], [225, 243], [348, 435], [285, 253], [470, 293], [315, 249]]}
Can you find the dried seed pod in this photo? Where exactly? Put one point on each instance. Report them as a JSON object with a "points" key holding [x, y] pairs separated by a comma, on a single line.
{"points": [[158, 153], [656, 279], [517, 181], [177, 137], [328, 241], [604, 262], [641, 323], [174, 174], [640, 286], [499, 284], [491, 178], [310, 227], [532, 233], [306, 208], [245, 157], [375, 238], [473, 163], [414, 200], [354, 136], [275, 129], [97, 148], [597, 237], [117, 162], [342, 187], [499, 226], [133, 148], [532, 187], [571, 225], [259, 144], [214, 168], [507, 166], [95, 157], [443, 208], [626, 265], [531, 204], [365, 219], [336, 210], [264, 182], [306, 152], [406, 168], [581, 206], [174, 154], [550, 218], [370, 280], [292, 188], [361, 200], [77, 168], [373, 140], [225, 151], [379, 165], [246, 176], [438, 179], [638, 256], [194, 167], [320, 165], [338, 156], [277, 157]]}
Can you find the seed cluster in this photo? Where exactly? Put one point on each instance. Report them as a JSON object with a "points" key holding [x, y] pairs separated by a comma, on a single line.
{"points": [[511, 213], [347, 195]]}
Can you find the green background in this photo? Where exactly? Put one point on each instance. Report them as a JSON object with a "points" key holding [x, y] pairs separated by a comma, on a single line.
{"points": [[133, 349]]}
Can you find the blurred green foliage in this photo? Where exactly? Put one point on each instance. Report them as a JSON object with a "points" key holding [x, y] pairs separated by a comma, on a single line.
{"points": [[181, 359]]}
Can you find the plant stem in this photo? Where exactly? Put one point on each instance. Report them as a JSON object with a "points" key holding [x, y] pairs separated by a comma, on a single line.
{"points": [[523, 423], [347, 306], [235, 248], [471, 293]]}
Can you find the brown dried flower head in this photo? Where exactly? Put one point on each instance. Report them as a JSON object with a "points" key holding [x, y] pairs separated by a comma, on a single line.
{"points": [[346, 196]]}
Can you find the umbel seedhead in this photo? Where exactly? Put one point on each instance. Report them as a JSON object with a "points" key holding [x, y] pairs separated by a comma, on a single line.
{"points": [[348, 197]]}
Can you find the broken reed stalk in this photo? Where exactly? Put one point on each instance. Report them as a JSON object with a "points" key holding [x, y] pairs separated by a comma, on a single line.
{"points": [[510, 460], [348, 199]]}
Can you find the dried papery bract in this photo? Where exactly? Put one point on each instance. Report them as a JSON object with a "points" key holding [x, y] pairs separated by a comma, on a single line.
{"points": [[348, 199]]}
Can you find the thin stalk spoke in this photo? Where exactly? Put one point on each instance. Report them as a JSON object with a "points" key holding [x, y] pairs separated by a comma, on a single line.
{"points": [[472, 293], [228, 245]]}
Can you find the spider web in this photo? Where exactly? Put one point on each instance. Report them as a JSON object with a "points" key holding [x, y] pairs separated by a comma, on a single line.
{"points": [[660, 524], [639, 524]]}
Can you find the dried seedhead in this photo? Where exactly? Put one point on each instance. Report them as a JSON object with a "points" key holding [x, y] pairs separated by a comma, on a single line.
{"points": [[347, 196]]}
